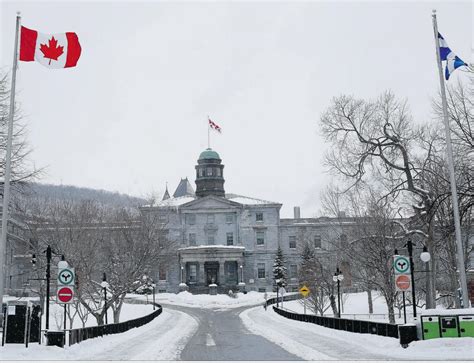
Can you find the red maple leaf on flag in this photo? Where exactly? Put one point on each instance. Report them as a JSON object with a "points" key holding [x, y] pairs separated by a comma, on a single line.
{"points": [[52, 50]]}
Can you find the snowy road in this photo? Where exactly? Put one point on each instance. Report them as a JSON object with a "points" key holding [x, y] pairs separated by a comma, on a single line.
{"points": [[222, 336]]}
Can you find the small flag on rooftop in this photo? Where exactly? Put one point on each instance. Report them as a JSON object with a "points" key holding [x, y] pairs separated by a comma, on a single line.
{"points": [[214, 126], [452, 60]]}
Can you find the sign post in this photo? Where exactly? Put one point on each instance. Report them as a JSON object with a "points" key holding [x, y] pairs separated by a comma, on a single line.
{"points": [[403, 283], [304, 291]]}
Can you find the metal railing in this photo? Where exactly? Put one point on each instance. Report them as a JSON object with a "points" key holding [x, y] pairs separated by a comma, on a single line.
{"points": [[79, 335], [354, 326]]}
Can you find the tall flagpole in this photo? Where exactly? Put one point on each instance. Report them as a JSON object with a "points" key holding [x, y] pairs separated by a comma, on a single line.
{"points": [[452, 178], [6, 184], [208, 134]]}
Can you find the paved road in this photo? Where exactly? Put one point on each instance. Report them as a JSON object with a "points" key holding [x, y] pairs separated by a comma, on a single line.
{"points": [[222, 336]]}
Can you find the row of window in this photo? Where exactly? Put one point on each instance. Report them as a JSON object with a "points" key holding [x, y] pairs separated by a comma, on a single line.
{"points": [[293, 271], [208, 172], [229, 218], [316, 241], [211, 239]]}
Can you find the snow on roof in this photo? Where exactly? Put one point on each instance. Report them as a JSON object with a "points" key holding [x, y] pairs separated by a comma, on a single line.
{"points": [[247, 200], [173, 202], [469, 311], [212, 246]]}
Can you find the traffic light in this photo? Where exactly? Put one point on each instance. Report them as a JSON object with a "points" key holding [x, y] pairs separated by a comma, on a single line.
{"points": [[33, 259]]}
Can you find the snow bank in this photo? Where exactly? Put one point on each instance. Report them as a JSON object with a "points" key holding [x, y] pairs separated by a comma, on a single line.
{"points": [[314, 342], [162, 339], [204, 301]]}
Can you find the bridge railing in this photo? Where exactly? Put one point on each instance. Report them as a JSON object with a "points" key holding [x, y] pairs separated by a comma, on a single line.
{"points": [[354, 326], [79, 335]]}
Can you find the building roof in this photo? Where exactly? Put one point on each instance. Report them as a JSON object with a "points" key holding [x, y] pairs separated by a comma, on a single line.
{"points": [[209, 154], [184, 189], [247, 200], [236, 198], [167, 194]]}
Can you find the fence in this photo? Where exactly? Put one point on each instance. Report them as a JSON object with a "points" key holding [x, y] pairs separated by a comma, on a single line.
{"points": [[354, 326], [289, 297], [79, 335]]}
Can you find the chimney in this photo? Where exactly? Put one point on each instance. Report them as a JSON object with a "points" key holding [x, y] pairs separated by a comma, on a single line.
{"points": [[297, 212]]}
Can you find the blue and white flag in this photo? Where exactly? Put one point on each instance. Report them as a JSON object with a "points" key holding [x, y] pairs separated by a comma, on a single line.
{"points": [[446, 54]]}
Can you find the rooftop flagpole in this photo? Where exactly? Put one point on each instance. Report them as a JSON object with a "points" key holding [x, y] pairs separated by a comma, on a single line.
{"points": [[208, 133], [452, 178], [6, 184]]}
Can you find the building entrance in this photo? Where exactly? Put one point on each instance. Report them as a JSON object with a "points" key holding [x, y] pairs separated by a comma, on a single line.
{"points": [[212, 272]]}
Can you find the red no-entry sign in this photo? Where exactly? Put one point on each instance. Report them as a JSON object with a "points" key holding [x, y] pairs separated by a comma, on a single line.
{"points": [[65, 295], [403, 282]]}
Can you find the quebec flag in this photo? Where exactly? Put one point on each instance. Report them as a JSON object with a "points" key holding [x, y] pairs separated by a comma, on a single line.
{"points": [[446, 54]]}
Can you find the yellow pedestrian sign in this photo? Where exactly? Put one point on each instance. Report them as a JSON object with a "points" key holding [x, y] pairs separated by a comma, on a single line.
{"points": [[304, 291]]}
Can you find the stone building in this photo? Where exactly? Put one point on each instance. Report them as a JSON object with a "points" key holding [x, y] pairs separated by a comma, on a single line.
{"points": [[227, 239]]}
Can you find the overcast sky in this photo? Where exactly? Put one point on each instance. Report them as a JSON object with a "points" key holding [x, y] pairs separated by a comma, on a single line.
{"points": [[133, 114]]}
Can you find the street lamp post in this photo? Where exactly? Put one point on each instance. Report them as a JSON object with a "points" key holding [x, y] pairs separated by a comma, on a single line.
{"points": [[153, 285], [241, 273], [182, 272], [104, 285], [338, 277]]}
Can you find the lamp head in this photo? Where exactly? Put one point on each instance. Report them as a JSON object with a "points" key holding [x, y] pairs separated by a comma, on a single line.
{"points": [[425, 255]]}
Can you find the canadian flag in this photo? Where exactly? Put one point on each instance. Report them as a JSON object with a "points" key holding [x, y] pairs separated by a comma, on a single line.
{"points": [[51, 50], [214, 126]]}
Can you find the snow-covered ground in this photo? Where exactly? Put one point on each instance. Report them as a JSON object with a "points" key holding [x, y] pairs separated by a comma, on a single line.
{"points": [[355, 306], [162, 339], [313, 342], [203, 301]]}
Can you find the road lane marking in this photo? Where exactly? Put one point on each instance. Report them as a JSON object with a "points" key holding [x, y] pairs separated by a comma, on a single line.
{"points": [[209, 341]]}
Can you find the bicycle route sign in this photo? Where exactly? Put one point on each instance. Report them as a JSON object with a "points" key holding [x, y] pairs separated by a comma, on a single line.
{"points": [[66, 277], [401, 265]]}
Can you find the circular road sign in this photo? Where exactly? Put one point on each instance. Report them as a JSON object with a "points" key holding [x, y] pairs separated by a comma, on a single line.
{"points": [[66, 276], [403, 282], [65, 294], [401, 264]]}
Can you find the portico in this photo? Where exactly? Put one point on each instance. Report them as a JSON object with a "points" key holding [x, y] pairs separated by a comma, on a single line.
{"points": [[205, 265]]}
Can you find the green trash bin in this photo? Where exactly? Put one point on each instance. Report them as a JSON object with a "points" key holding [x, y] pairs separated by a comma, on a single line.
{"points": [[466, 325], [430, 327], [449, 326]]}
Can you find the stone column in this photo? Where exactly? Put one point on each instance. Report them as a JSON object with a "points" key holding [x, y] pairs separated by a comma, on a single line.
{"points": [[201, 274], [221, 272]]}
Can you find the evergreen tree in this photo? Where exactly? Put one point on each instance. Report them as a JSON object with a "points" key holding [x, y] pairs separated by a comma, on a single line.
{"points": [[279, 270]]}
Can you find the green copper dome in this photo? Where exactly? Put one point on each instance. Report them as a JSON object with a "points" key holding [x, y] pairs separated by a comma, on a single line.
{"points": [[209, 154]]}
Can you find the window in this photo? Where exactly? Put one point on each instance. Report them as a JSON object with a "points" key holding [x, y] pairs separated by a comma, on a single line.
{"points": [[218, 172], [201, 172], [209, 171], [192, 273], [262, 289], [230, 239], [210, 240], [292, 241], [260, 238], [259, 217], [261, 270], [192, 239], [229, 218], [293, 271], [162, 274], [317, 241], [190, 219], [230, 271], [210, 218]]}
